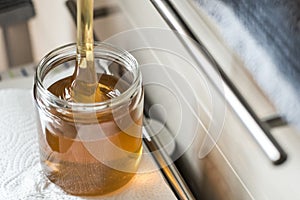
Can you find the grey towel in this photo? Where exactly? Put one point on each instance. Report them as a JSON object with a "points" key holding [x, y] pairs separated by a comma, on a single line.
{"points": [[266, 35]]}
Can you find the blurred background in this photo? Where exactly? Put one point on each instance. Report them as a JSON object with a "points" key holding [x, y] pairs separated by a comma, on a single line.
{"points": [[48, 26]]}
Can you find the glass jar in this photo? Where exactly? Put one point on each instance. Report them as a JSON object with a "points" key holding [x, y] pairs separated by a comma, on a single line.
{"points": [[90, 148]]}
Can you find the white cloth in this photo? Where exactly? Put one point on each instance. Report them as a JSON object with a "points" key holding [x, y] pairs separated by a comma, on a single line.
{"points": [[20, 172]]}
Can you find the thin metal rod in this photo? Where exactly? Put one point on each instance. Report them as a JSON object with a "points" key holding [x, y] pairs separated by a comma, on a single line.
{"points": [[167, 167]]}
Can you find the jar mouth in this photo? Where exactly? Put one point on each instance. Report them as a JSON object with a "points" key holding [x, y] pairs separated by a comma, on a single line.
{"points": [[67, 53]]}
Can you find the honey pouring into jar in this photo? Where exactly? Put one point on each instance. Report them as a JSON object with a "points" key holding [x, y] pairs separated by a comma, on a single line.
{"points": [[90, 137]]}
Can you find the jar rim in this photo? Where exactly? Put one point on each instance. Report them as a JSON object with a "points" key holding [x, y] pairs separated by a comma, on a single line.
{"points": [[57, 102]]}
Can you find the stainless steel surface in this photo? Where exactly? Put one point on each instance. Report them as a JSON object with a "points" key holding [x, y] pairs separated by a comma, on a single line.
{"points": [[258, 130], [235, 168], [163, 159]]}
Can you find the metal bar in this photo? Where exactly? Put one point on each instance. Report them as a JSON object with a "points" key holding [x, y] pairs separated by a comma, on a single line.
{"points": [[168, 169], [211, 69], [274, 121]]}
